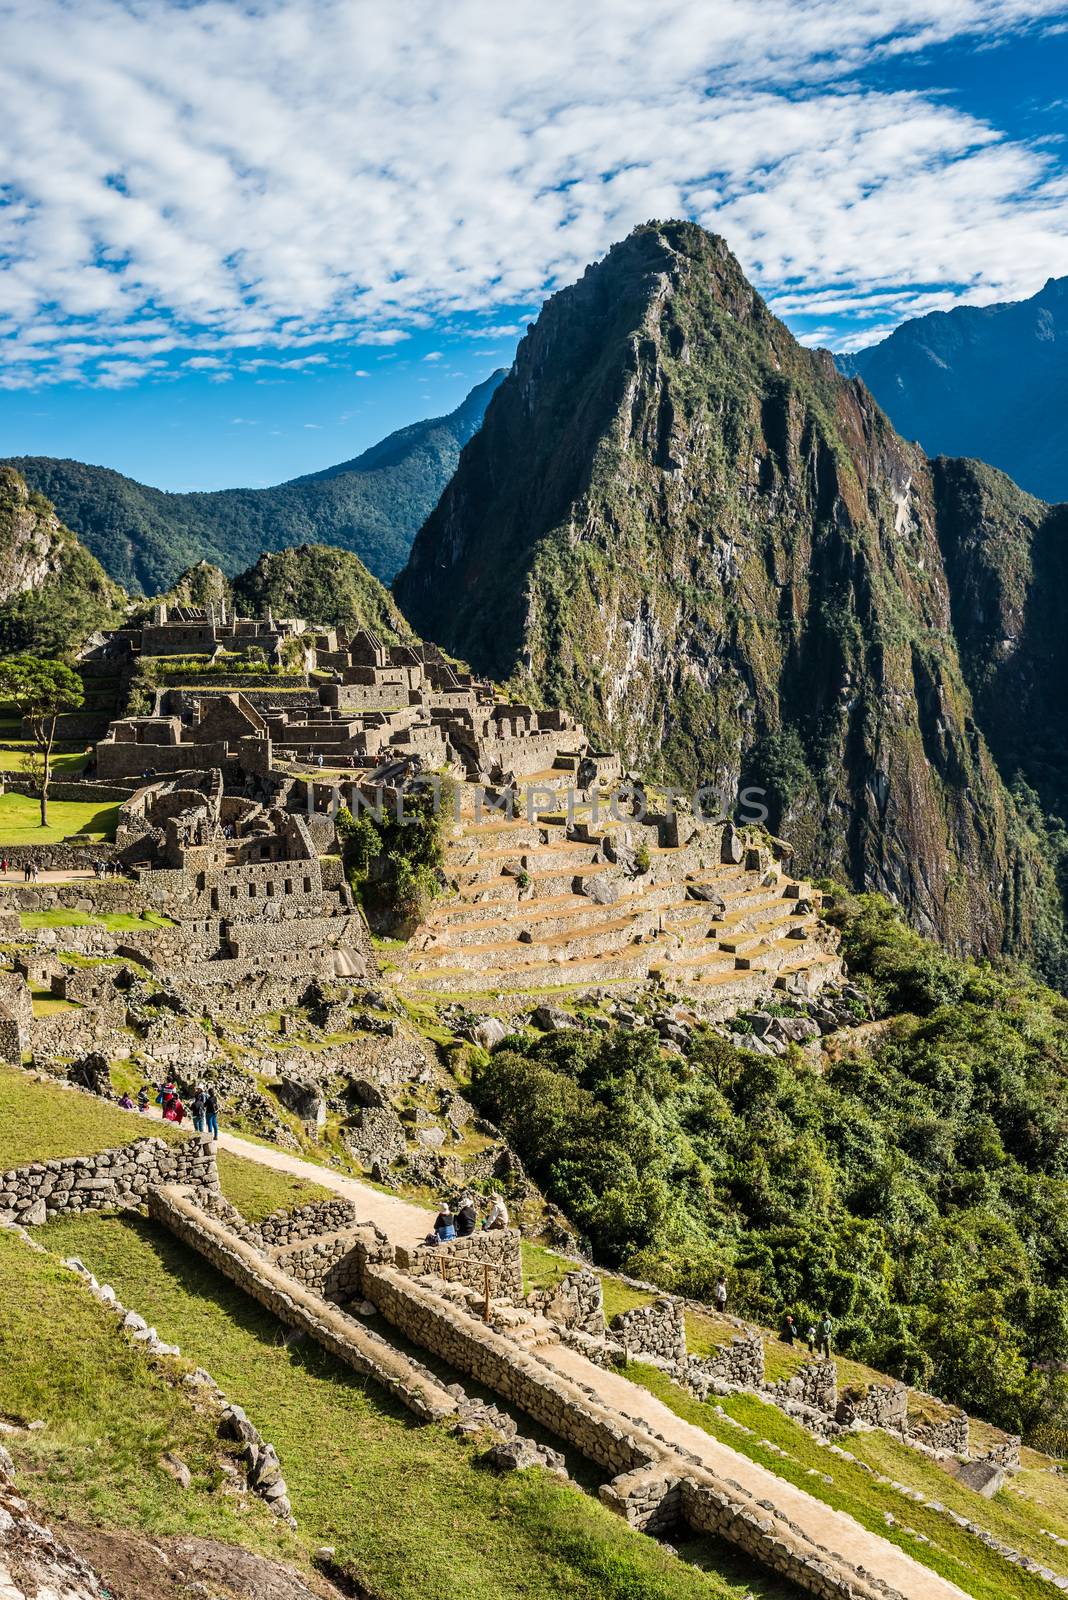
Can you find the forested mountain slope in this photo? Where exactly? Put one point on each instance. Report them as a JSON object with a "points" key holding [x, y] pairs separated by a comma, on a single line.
{"points": [[371, 505]]}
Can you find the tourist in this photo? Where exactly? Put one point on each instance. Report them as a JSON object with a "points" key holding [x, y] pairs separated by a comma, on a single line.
{"points": [[498, 1215], [3, 865], [823, 1336], [144, 1094], [211, 1113], [126, 1103], [174, 1110], [789, 1330], [445, 1223], [810, 1338], [168, 1095], [199, 1108], [719, 1294], [466, 1218], [26, 872]]}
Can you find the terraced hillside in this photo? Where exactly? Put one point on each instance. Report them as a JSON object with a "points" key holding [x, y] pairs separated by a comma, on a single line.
{"points": [[558, 897]]}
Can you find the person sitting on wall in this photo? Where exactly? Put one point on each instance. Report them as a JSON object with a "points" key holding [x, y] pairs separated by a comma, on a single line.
{"points": [[445, 1223], [498, 1214], [466, 1218]]}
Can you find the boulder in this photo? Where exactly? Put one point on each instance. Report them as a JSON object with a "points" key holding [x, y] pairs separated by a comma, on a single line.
{"points": [[487, 1032], [177, 1469], [709, 893], [515, 1455], [550, 1020], [602, 891], [985, 1477], [731, 847]]}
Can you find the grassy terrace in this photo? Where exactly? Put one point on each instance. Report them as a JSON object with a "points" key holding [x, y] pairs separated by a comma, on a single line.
{"points": [[1036, 1500], [257, 1191], [42, 1121], [20, 820], [117, 921], [65, 763], [409, 1513]]}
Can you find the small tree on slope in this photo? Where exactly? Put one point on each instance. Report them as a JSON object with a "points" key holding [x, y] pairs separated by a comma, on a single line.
{"points": [[40, 691]]}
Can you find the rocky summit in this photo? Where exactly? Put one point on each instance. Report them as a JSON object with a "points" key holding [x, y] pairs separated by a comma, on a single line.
{"points": [[713, 547]]}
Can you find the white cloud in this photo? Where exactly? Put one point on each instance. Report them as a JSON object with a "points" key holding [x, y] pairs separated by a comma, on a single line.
{"points": [[304, 173], [360, 373], [434, 355]]}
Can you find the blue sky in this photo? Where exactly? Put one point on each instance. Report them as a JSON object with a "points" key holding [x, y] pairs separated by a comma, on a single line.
{"points": [[240, 243]]}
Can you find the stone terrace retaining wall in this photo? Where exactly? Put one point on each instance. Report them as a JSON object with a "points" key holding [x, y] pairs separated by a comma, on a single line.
{"points": [[464, 1261], [499, 1364], [658, 1330], [576, 1302], [307, 1222], [123, 1177], [331, 1265], [741, 1362], [951, 1435], [358, 1347], [881, 1405]]}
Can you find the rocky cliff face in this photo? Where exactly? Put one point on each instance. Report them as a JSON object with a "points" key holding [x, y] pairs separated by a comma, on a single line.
{"points": [[52, 591], [712, 546]]}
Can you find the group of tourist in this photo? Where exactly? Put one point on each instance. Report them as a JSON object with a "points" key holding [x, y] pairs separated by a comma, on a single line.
{"points": [[817, 1335], [203, 1107], [106, 869], [461, 1221]]}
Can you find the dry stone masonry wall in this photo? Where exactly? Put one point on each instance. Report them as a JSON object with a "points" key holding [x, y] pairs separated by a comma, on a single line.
{"points": [[32, 1194]]}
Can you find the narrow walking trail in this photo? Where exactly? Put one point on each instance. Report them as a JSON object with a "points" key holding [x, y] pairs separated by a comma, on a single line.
{"points": [[406, 1223]]}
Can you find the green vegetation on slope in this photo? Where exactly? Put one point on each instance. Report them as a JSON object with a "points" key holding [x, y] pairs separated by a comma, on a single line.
{"points": [[409, 1515], [917, 1187], [952, 1551], [371, 505], [53, 593], [109, 1417], [42, 1121], [257, 1190], [322, 584]]}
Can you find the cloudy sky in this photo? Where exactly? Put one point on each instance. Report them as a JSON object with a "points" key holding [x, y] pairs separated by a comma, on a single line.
{"points": [[241, 241]]}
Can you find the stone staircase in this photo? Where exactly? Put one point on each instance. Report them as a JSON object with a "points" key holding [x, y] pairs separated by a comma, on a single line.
{"points": [[554, 901]]}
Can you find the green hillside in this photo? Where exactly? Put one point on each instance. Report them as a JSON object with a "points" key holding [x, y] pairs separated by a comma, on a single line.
{"points": [[372, 505]]}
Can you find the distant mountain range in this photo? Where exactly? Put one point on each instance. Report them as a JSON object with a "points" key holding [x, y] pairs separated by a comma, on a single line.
{"points": [[373, 505], [983, 381], [711, 546]]}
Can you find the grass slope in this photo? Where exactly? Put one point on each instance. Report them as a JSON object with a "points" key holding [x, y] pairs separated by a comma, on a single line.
{"points": [[952, 1551], [43, 1121], [409, 1517]]}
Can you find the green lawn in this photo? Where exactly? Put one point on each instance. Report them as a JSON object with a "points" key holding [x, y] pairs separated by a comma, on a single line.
{"points": [[956, 1554], [20, 820], [256, 1191], [410, 1516], [117, 921], [42, 1121], [65, 763]]}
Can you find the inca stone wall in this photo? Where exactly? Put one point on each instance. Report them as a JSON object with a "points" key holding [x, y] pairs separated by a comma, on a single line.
{"points": [[740, 1362], [657, 1330], [32, 1194], [880, 1405], [465, 1261], [358, 1347]]}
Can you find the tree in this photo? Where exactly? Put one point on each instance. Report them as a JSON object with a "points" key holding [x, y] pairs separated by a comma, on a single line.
{"points": [[40, 691]]}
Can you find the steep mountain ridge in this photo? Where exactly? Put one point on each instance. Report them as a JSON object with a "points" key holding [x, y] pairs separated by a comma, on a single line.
{"points": [[986, 381], [371, 505], [705, 541]]}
